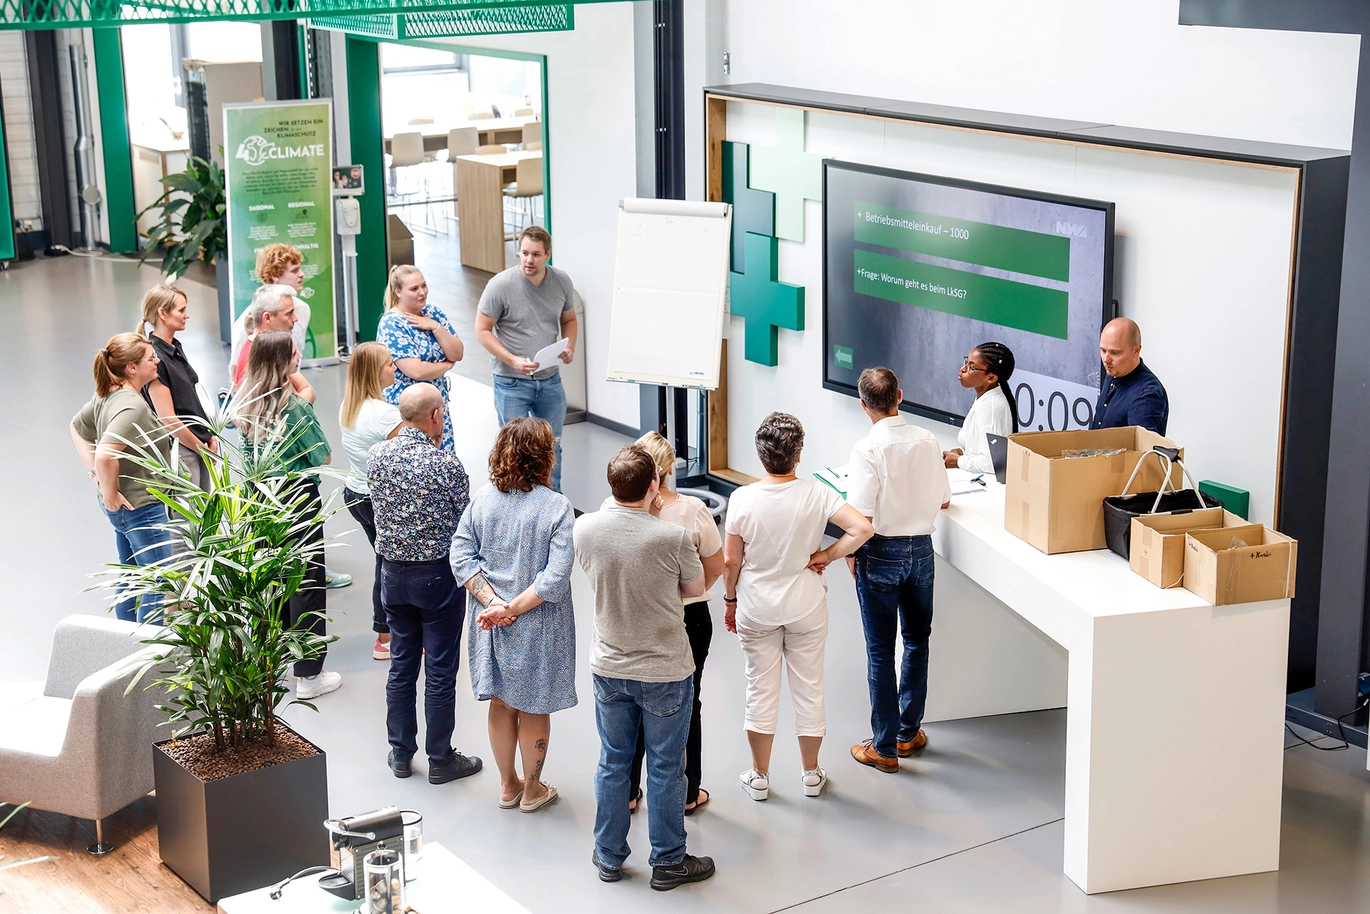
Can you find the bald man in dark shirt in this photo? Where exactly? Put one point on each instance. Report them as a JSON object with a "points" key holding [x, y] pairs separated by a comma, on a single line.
{"points": [[1131, 394]]}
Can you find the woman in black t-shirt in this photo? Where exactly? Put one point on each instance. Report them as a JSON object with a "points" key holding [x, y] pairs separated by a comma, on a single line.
{"points": [[173, 395]]}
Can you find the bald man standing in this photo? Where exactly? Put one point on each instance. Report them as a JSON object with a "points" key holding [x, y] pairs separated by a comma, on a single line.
{"points": [[1131, 394], [418, 494]]}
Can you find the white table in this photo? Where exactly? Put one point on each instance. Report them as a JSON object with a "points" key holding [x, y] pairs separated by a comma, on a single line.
{"points": [[445, 885], [1175, 707]]}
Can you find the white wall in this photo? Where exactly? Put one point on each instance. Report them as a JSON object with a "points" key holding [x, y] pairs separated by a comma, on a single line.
{"points": [[1202, 263], [1114, 61], [592, 148]]}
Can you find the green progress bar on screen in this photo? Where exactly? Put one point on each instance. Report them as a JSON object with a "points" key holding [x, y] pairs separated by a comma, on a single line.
{"points": [[1014, 250], [971, 295]]}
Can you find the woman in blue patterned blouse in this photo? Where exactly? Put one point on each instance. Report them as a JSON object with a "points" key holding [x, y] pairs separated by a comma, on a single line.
{"points": [[420, 339], [514, 554]]}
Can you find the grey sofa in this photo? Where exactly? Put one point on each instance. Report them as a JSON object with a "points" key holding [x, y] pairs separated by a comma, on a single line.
{"points": [[76, 744]]}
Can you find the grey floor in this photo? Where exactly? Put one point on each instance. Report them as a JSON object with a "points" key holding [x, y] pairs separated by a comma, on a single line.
{"points": [[974, 825]]}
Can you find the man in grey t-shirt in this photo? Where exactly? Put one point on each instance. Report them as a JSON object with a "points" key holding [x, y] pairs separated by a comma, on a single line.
{"points": [[643, 670], [522, 310]]}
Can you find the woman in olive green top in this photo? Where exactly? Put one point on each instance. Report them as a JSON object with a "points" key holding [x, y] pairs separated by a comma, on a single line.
{"points": [[280, 426], [117, 417]]}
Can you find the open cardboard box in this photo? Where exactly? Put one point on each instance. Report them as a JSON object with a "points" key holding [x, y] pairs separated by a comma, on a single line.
{"points": [[1157, 552], [1056, 503], [1222, 573]]}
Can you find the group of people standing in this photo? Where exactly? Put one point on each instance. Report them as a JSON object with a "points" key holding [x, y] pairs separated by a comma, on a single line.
{"points": [[507, 551]]}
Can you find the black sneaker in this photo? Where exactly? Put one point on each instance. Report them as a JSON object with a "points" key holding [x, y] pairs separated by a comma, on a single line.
{"points": [[398, 768], [458, 767], [691, 869], [607, 873]]}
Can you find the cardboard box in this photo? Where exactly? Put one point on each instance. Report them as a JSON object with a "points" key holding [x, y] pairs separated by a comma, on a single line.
{"points": [[1056, 503], [1222, 573], [1157, 552]]}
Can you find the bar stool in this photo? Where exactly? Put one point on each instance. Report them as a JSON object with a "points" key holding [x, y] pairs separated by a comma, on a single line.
{"points": [[527, 186]]}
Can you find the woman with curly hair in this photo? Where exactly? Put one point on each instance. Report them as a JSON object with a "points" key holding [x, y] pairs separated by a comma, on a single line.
{"points": [[277, 264], [514, 554]]}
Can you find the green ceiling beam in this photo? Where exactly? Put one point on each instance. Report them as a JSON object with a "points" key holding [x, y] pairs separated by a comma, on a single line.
{"points": [[426, 17], [458, 23]]}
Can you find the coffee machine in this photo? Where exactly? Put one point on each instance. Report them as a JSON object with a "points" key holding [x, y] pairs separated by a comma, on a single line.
{"points": [[352, 839]]}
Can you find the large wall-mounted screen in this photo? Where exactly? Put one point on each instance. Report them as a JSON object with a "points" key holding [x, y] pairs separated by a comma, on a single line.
{"points": [[919, 269]]}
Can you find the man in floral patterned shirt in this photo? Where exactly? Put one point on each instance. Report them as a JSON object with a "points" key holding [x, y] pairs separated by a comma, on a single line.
{"points": [[418, 493]]}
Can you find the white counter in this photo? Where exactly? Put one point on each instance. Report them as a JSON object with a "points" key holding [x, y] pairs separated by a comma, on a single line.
{"points": [[1175, 707]]}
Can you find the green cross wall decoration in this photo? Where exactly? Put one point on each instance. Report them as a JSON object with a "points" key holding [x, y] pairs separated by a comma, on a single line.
{"points": [[789, 172], [753, 210], [765, 304]]}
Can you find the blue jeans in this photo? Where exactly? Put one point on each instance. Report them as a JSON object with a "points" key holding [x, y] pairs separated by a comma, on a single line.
{"points": [[425, 610], [546, 399], [662, 711], [140, 542], [894, 589]]}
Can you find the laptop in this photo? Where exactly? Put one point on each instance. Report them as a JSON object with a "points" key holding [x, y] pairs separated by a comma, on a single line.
{"points": [[998, 455]]}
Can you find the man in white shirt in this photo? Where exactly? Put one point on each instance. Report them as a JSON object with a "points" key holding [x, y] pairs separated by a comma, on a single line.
{"points": [[899, 482]]}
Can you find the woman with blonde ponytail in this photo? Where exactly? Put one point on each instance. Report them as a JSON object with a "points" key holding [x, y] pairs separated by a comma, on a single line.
{"points": [[114, 419], [366, 420], [420, 338], [173, 394]]}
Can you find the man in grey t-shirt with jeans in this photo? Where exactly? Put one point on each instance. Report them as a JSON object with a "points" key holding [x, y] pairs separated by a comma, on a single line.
{"points": [[522, 310], [642, 666]]}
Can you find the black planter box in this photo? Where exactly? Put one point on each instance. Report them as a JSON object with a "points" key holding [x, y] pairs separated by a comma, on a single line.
{"points": [[242, 832]]}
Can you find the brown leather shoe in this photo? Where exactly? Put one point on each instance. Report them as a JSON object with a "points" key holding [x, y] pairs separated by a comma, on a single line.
{"points": [[865, 754], [920, 739]]}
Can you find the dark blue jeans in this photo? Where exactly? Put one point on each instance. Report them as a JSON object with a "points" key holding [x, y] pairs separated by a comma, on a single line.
{"points": [[140, 541], [545, 399], [425, 610], [894, 588], [662, 711]]}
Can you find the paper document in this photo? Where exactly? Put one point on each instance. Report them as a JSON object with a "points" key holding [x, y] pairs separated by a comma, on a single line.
{"points": [[834, 478], [549, 354], [963, 483]]}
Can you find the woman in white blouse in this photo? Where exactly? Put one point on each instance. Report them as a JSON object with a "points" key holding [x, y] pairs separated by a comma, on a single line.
{"points": [[986, 371], [366, 419]]}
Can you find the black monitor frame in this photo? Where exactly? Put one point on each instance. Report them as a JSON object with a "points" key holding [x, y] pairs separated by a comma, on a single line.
{"points": [[1108, 306]]}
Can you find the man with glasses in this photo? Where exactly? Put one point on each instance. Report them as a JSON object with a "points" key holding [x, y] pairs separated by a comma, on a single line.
{"points": [[1130, 394]]}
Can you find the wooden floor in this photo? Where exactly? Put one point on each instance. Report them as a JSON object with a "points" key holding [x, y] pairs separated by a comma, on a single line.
{"points": [[129, 880]]}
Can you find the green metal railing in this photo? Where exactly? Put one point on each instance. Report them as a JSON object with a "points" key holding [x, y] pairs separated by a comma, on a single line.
{"points": [[422, 18], [556, 17]]}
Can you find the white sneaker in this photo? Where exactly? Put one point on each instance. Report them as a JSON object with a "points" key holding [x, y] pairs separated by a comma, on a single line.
{"points": [[307, 687], [814, 782], [757, 785]]}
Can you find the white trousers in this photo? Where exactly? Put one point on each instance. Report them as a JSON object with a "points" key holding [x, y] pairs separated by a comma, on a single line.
{"points": [[800, 645]]}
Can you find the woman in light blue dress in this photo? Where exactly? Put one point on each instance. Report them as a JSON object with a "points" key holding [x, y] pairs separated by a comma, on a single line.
{"points": [[513, 552], [420, 338]]}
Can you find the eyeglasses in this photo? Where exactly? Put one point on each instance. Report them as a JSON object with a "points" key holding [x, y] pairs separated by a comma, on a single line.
{"points": [[967, 366]]}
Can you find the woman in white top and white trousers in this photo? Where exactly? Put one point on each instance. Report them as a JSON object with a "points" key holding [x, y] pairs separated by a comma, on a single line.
{"points": [[775, 599], [986, 371]]}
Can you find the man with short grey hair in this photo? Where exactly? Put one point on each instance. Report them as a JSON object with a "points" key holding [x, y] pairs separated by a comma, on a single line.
{"points": [[272, 308]]}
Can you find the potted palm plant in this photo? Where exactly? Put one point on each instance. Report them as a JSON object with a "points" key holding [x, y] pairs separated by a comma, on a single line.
{"points": [[241, 797]]}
